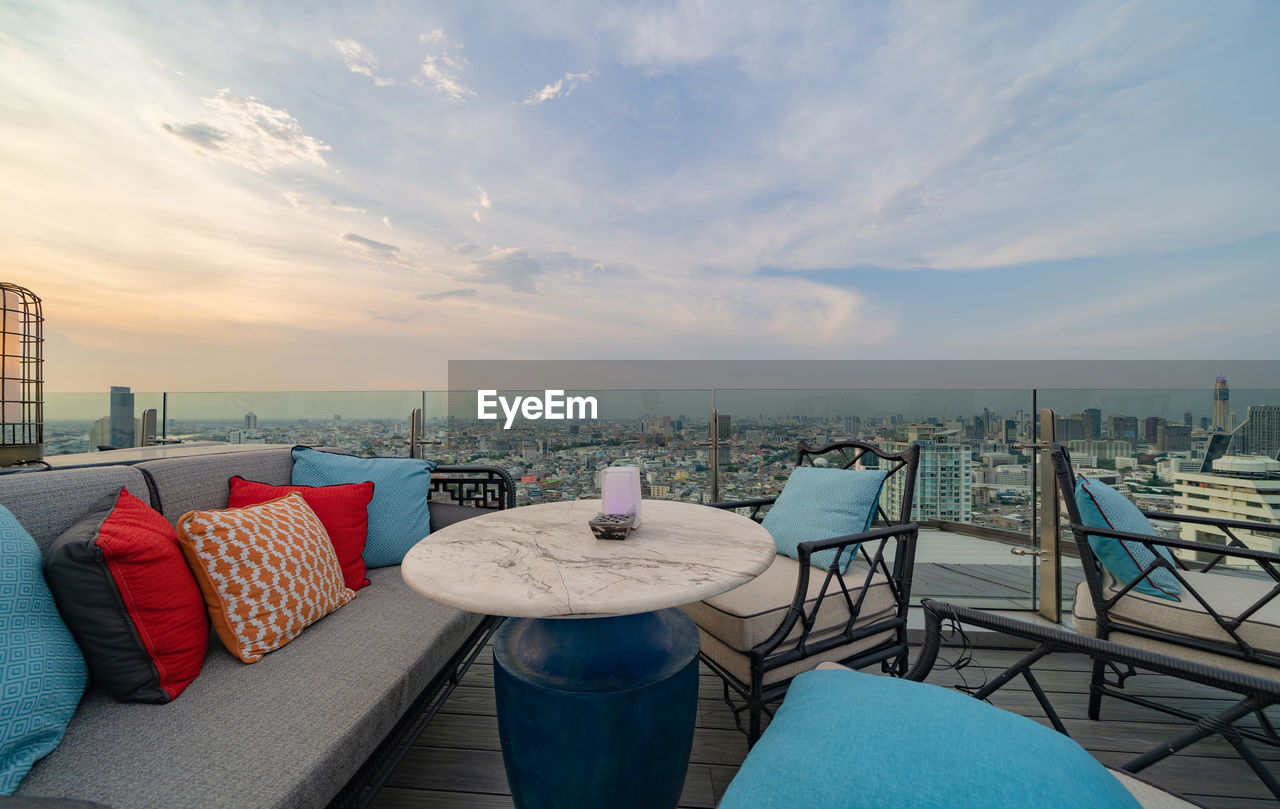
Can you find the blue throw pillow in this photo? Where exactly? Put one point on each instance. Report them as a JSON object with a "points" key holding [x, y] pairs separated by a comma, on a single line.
{"points": [[1103, 507], [398, 515], [42, 672], [819, 503], [927, 747]]}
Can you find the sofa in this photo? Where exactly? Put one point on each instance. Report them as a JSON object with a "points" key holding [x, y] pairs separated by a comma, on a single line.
{"points": [[319, 722]]}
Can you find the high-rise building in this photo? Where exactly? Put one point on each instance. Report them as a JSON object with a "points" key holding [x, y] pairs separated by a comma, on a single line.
{"points": [[1092, 423], [1240, 487], [1260, 432], [1151, 428], [251, 421], [1173, 438], [725, 429], [100, 433], [122, 422], [944, 481], [1221, 410], [1070, 429]]}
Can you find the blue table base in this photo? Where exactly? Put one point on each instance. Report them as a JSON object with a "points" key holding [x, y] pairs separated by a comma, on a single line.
{"points": [[596, 712]]}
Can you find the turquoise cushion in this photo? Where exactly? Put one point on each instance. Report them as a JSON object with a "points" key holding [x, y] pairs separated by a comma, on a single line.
{"points": [[819, 503], [42, 672], [1103, 507], [845, 738], [398, 514]]}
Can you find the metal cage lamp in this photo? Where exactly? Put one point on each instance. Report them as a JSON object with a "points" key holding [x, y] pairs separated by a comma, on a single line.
{"points": [[21, 376]]}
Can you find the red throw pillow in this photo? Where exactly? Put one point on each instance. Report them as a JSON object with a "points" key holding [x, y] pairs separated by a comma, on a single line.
{"points": [[343, 511], [124, 589]]}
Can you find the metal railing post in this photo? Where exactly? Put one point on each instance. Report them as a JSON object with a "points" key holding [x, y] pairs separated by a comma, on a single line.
{"points": [[415, 433], [1050, 575]]}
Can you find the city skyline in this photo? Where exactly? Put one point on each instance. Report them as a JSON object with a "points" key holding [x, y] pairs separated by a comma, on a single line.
{"points": [[229, 197]]}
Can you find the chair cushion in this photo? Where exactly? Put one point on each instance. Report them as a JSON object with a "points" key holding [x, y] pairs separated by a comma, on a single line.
{"points": [[936, 749], [1103, 507], [398, 514], [267, 572], [288, 731], [734, 622], [342, 509], [818, 503], [1229, 595], [127, 594], [42, 672]]}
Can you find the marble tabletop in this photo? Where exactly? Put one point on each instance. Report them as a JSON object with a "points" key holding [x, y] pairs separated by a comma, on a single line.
{"points": [[543, 561]]}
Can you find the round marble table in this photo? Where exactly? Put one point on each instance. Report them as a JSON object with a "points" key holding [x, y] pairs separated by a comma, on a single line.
{"points": [[596, 683]]}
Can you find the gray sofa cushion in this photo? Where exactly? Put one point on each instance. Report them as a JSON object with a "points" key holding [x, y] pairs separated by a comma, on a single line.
{"points": [[200, 482], [48, 503], [326, 700]]}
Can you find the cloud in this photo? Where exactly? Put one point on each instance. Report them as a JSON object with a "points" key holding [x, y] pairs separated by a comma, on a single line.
{"points": [[464, 248], [386, 220], [248, 132], [513, 267], [448, 293], [393, 317], [559, 88], [297, 200], [302, 203], [480, 202], [360, 60], [373, 249], [442, 69], [346, 208]]}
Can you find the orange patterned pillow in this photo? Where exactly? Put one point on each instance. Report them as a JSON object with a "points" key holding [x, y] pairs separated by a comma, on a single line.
{"points": [[267, 572]]}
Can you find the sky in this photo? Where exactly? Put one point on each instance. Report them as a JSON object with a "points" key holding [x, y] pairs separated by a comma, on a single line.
{"points": [[278, 196]]}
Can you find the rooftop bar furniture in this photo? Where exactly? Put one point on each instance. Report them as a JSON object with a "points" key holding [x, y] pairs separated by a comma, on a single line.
{"points": [[321, 721], [796, 615], [937, 748], [596, 676], [1210, 616]]}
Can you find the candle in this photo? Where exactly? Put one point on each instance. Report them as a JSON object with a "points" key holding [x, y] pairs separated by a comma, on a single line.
{"points": [[620, 491]]}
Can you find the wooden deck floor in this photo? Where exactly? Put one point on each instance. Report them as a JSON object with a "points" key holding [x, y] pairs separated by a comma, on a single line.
{"points": [[458, 761]]}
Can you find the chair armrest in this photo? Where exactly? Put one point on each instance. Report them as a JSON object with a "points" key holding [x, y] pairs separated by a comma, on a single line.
{"points": [[1252, 554], [836, 587], [1246, 525], [475, 484], [755, 505], [1054, 640]]}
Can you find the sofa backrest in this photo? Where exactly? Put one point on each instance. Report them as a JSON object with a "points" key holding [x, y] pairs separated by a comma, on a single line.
{"points": [[48, 503], [179, 485]]}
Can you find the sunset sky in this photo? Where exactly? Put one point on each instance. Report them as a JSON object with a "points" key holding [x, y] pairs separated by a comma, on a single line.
{"points": [[227, 197]]}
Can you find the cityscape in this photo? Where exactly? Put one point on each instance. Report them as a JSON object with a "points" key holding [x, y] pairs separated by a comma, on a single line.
{"points": [[976, 468]]}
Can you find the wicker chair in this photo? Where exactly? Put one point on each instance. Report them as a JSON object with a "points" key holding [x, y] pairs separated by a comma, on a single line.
{"points": [[1221, 618], [761, 635]]}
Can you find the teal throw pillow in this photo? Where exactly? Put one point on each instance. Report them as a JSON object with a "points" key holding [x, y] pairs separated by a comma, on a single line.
{"points": [[398, 513], [42, 672], [931, 747], [1103, 507], [819, 503]]}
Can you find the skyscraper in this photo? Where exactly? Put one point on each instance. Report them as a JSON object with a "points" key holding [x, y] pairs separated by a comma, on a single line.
{"points": [[121, 417], [251, 421], [1260, 432], [1220, 408]]}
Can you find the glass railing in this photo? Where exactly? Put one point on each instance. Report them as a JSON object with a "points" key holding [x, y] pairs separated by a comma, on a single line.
{"points": [[978, 493]]}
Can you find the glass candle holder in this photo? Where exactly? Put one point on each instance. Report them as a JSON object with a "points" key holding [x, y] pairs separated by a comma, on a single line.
{"points": [[620, 491]]}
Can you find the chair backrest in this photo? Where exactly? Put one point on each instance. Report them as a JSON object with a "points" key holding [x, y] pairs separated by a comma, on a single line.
{"points": [[851, 453], [1060, 457]]}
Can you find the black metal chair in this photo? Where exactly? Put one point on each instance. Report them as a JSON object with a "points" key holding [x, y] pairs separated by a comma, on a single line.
{"points": [[1225, 619], [761, 635]]}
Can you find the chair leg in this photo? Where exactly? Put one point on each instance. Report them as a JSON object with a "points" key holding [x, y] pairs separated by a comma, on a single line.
{"points": [[755, 707], [1095, 689]]}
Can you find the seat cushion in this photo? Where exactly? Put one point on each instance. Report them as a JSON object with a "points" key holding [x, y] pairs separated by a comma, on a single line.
{"points": [[935, 749], [734, 622], [818, 503], [288, 731], [1228, 595]]}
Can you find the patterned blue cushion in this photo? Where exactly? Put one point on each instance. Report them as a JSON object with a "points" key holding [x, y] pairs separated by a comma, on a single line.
{"points": [[1103, 507], [925, 747], [821, 503], [42, 672], [398, 515]]}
